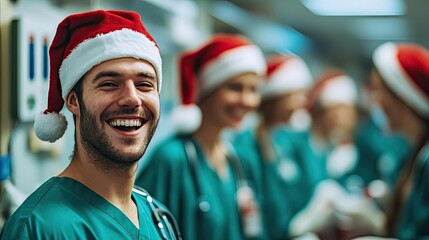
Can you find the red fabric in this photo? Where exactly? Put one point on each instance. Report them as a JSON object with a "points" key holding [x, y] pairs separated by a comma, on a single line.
{"points": [[275, 62], [191, 63], [77, 28], [414, 60]]}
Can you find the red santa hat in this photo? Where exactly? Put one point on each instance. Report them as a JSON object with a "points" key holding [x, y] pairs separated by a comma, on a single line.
{"points": [[405, 70], [83, 41], [285, 74], [203, 70], [333, 87]]}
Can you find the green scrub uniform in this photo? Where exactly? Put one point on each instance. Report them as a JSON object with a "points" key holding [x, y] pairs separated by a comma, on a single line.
{"points": [[205, 208], [285, 181], [63, 208], [379, 156], [382, 154], [414, 217]]}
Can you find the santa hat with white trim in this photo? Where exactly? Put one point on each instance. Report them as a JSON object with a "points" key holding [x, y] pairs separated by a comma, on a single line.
{"points": [[333, 87], [285, 74], [204, 69], [83, 41], [405, 70]]}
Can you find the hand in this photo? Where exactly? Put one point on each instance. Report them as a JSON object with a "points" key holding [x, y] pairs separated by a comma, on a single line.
{"points": [[320, 211], [360, 212]]}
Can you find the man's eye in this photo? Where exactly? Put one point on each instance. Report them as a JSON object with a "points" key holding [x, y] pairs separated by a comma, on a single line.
{"points": [[235, 87], [107, 84], [146, 85]]}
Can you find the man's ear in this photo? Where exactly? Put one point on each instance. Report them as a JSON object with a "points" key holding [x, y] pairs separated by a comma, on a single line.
{"points": [[72, 103]]}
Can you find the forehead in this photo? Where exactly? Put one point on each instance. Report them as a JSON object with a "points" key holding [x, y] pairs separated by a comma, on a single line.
{"points": [[124, 65], [340, 107], [245, 78]]}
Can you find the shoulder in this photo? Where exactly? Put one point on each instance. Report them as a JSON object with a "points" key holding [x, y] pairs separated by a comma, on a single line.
{"points": [[169, 155], [171, 148], [245, 137], [286, 136], [38, 211]]}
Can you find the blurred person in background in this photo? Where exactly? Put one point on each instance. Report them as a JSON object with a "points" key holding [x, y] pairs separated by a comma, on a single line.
{"points": [[337, 207], [401, 88], [280, 176], [385, 151], [10, 196], [194, 172]]}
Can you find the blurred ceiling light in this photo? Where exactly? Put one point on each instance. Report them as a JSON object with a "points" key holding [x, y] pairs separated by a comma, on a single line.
{"points": [[356, 7]]}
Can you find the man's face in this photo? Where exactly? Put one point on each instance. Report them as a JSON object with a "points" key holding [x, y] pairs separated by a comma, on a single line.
{"points": [[120, 110]]}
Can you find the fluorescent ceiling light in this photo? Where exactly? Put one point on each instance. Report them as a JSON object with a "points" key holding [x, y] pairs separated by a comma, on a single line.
{"points": [[355, 7]]}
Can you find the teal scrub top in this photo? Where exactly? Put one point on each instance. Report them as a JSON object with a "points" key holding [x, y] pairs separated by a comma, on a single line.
{"points": [[63, 208], [285, 182], [414, 218], [205, 209], [379, 156], [382, 154]]}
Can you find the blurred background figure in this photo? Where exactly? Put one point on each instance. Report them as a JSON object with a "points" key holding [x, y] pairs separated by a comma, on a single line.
{"points": [[337, 207], [196, 174], [332, 104], [10, 196], [401, 87], [284, 98]]}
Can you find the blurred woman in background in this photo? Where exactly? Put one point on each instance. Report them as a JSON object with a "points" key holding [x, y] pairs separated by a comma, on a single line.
{"points": [[195, 173], [401, 87]]}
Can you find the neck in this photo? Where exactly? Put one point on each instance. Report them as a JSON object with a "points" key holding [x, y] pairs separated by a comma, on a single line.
{"points": [[208, 136], [415, 129], [209, 139], [113, 184], [265, 143]]}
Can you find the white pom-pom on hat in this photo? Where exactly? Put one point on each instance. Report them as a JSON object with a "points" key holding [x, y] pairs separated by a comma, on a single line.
{"points": [[50, 127], [186, 118]]}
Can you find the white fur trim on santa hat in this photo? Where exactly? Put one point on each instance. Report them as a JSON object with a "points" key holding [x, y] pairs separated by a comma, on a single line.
{"points": [[50, 126], [186, 118], [229, 64], [115, 44], [292, 75], [386, 60], [340, 89]]}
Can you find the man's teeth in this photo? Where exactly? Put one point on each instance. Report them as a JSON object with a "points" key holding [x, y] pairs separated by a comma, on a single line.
{"points": [[125, 123]]}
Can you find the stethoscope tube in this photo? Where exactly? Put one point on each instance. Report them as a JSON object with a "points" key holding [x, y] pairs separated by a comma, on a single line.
{"points": [[163, 219]]}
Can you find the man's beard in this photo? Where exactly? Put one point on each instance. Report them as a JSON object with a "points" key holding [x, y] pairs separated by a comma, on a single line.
{"points": [[101, 150]]}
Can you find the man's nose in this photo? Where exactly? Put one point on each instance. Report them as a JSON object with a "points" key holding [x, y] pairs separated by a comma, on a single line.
{"points": [[129, 95]]}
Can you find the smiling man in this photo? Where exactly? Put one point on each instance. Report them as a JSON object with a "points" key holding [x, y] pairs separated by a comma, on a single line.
{"points": [[106, 69]]}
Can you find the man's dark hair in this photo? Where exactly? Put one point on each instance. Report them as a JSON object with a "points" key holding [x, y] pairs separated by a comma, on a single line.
{"points": [[78, 90]]}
